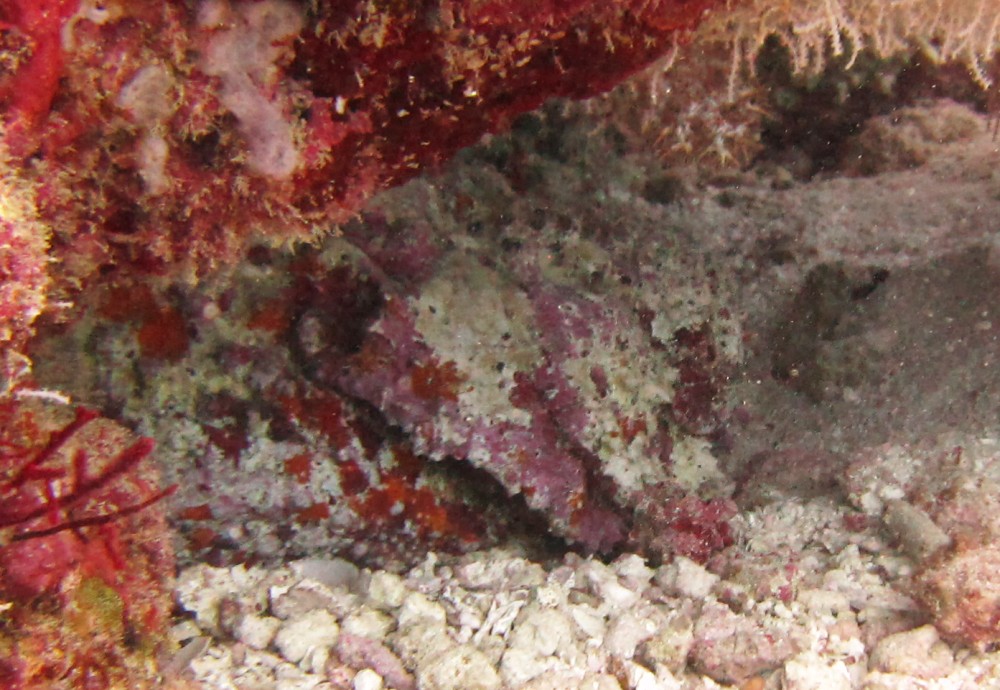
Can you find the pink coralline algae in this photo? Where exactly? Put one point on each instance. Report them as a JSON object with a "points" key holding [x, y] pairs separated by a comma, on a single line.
{"points": [[85, 557]]}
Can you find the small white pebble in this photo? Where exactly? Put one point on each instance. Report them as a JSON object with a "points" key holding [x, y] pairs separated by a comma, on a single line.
{"points": [[563, 680], [589, 620], [332, 572], [604, 584], [416, 606], [633, 571], [257, 631], [918, 652], [692, 580], [627, 630], [315, 630], [185, 630], [386, 590], [420, 641], [640, 678], [810, 671], [369, 623], [200, 589], [367, 679], [462, 667], [309, 595]]}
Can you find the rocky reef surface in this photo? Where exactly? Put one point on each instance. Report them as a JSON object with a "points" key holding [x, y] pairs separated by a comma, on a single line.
{"points": [[731, 430]]}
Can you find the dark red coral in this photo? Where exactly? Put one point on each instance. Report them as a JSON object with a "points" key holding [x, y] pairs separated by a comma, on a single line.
{"points": [[700, 380], [32, 504], [433, 76], [78, 531], [668, 522]]}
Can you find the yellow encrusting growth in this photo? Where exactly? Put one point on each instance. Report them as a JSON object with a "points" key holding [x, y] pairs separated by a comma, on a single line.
{"points": [[24, 275]]}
